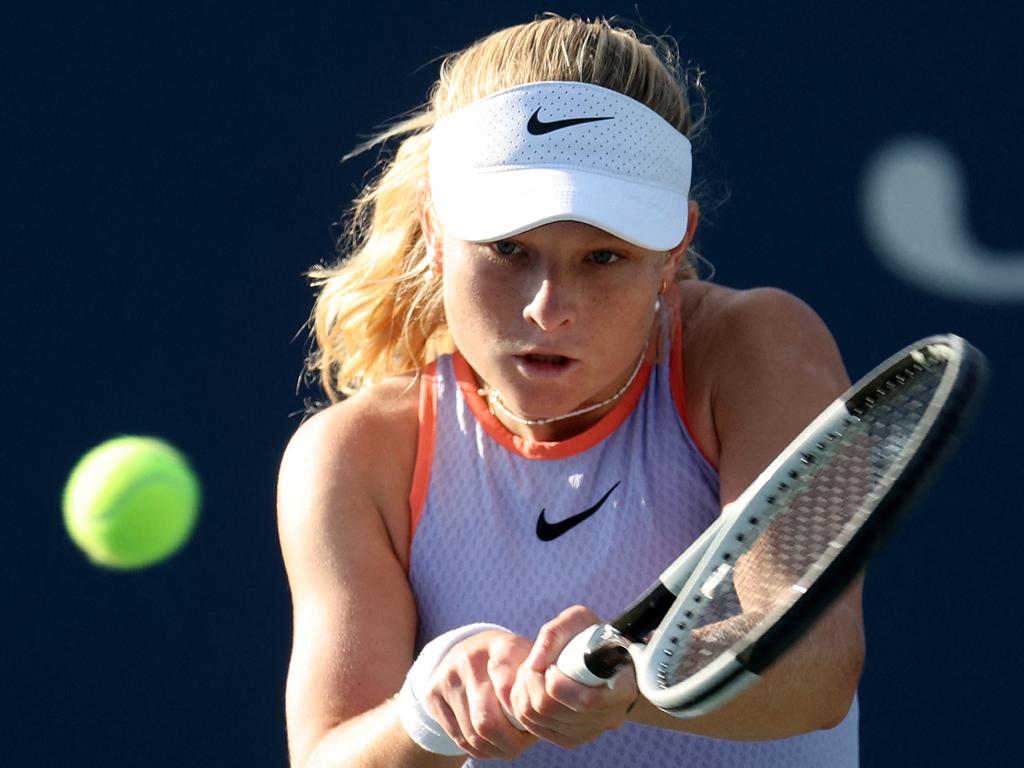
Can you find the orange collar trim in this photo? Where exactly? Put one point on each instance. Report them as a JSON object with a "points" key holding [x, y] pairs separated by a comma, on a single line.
{"points": [[535, 449]]}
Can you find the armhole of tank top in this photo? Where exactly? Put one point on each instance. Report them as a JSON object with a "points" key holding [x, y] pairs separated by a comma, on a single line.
{"points": [[427, 426], [677, 376]]}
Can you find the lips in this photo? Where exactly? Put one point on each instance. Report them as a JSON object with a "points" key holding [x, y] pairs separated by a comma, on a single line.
{"points": [[545, 359], [543, 363]]}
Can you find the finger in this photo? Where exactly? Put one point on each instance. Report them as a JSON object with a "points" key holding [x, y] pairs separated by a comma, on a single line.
{"points": [[556, 634], [503, 676], [503, 662], [493, 724], [534, 707], [545, 727], [572, 695], [480, 715], [551, 719], [555, 701], [447, 702], [521, 697], [604, 704], [602, 707], [502, 673], [444, 716]]}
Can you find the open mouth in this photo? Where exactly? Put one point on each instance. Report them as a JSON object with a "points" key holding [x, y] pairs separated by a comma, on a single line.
{"points": [[546, 359], [544, 365]]}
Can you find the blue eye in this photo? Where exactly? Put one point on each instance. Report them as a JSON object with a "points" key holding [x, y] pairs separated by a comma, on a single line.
{"points": [[506, 247], [604, 257]]}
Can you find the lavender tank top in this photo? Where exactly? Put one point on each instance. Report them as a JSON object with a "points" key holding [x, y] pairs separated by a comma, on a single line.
{"points": [[477, 552]]}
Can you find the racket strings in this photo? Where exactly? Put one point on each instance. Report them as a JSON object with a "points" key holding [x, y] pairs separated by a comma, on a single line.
{"points": [[811, 514]]}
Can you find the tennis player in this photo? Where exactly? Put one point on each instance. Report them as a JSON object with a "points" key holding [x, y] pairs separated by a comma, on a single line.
{"points": [[539, 406]]}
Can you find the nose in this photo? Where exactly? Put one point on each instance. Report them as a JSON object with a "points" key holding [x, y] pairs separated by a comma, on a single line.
{"points": [[551, 306]]}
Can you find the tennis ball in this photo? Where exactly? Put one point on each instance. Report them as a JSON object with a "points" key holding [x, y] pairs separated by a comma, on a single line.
{"points": [[131, 502]]}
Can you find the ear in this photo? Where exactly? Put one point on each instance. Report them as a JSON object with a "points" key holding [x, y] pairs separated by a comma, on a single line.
{"points": [[429, 225], [677, 255]]}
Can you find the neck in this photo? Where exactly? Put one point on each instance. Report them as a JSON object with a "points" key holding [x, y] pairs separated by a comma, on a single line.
{"points": [[566, 425], [495, 403]]}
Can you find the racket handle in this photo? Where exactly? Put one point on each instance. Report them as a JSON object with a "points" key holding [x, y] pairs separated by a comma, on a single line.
{"points": [[594, 656]]}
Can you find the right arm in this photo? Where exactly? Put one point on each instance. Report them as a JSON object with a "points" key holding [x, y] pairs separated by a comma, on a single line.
{"points": [[343, 521]]}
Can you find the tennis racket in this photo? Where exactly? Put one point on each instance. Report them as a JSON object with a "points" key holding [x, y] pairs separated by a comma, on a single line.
{"points": [[756, 580]]}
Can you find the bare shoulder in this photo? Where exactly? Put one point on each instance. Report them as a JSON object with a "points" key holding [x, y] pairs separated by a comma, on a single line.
{"points": [[760, 364], [361, 448], [767, 319], [371, 419], [765, 332]]}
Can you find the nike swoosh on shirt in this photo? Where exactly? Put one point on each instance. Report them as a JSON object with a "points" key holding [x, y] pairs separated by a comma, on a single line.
{"points": [[537, 127], [550, 531]]}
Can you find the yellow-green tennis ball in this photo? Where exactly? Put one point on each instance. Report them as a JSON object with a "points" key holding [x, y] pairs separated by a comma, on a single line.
{"points": [[131, 502]]}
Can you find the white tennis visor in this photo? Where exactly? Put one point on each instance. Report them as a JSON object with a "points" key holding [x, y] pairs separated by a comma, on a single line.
{"points": [[560, 151]]}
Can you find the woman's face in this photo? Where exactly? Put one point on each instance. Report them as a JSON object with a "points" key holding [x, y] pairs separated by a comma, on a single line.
{"points": [[554, 318]]}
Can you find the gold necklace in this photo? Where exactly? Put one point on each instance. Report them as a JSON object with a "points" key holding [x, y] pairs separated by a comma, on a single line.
{"points": [[494, 400]]}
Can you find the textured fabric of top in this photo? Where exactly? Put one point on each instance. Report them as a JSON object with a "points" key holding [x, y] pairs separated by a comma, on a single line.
{"points": [[476, 555], [553, 151]]}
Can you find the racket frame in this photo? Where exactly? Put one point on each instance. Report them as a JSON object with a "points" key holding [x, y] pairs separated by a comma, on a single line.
{"points": [[655, 612]]}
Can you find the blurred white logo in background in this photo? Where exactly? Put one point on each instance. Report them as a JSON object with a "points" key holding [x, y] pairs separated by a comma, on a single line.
{"points": [[914, 209]]}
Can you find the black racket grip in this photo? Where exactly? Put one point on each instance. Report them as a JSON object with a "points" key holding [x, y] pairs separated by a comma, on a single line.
{"points": [[604, 661]]}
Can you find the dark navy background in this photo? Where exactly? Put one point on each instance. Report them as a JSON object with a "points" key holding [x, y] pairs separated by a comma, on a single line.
{"points": [[171, 170]]}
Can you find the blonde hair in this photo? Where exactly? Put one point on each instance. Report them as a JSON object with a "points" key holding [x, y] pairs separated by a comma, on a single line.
{"points": [[379, 309]]}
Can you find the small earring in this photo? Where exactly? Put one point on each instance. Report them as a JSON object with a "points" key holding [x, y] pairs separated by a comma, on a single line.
{"points": [[434, 259], [657, 300]]}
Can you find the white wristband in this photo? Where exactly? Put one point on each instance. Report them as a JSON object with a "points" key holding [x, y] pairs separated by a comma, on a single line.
{"points": [[421, 727]]}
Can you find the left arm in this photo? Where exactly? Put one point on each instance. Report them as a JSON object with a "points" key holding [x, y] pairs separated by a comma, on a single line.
{"points": [[775, 367], [772, 367]]}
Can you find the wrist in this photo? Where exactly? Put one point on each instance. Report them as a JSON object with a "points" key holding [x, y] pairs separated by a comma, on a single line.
{"points": [[417, 721]]}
